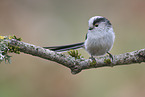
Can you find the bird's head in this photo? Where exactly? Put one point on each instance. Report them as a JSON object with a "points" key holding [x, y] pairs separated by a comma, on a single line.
{"points": [[98, 23]]}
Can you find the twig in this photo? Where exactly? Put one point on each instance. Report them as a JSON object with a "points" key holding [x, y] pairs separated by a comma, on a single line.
{"points": [[77, 65]]}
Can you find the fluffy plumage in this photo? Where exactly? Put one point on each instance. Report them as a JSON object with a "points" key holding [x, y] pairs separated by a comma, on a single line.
{"points": [[99, 39]]}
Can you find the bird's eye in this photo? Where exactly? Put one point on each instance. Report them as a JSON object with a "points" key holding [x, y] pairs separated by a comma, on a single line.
{"points": [[96, 25]]}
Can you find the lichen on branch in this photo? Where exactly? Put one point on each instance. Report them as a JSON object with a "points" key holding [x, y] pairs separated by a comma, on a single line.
{"points": [[5, 48], [73, 61]]}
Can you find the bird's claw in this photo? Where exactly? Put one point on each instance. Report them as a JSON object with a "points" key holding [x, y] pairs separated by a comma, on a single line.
{"points": [[92, 58], [111, 56]]}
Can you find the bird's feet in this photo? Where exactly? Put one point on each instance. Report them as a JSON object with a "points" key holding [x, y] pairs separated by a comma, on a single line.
{"points": [[92, 58], [93, 62], [111, 56]]}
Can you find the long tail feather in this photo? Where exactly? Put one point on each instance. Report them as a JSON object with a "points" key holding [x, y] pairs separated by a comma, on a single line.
{"points": [[66, 47]]}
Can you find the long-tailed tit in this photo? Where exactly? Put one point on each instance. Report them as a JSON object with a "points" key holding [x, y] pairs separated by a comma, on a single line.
{"points": [[99, 39]]}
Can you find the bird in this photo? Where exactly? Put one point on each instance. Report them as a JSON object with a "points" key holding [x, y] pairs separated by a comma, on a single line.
{"points": [[99, 39]]}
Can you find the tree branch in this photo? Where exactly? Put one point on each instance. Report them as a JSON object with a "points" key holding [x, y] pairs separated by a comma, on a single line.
{"points": [[77, 65]]}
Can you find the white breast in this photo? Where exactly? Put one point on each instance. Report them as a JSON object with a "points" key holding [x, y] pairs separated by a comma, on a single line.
{"points": [[98, 42]]}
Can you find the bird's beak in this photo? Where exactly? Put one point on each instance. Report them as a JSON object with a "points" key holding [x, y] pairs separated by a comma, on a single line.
{"points": [[90, 28]]}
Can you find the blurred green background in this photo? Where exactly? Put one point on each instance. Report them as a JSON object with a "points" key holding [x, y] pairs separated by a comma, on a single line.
{"points": [[58, 22]]}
